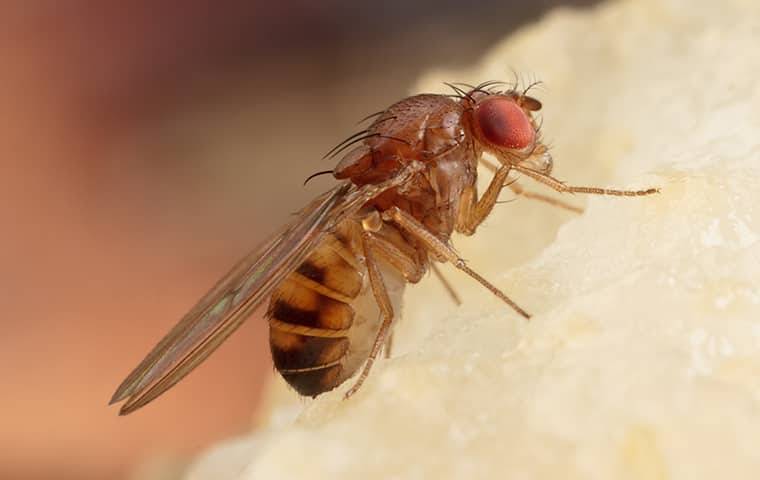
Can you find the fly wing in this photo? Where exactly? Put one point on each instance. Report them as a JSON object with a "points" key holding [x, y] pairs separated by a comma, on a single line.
{"points": [[229, 303]]}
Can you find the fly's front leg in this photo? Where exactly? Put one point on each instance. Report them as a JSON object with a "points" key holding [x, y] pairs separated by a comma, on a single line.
{"points": [[517, 189], [437, 246], [561, 187], [472, 211]]}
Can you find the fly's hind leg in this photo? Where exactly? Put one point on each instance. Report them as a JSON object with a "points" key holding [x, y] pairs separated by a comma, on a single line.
{"points": [[446, 285], [386, 243], [386, 310], [449, 289], [388, 348]]}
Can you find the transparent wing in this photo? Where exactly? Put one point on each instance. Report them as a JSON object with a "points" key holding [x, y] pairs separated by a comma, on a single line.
{"points": [[229, 303]]}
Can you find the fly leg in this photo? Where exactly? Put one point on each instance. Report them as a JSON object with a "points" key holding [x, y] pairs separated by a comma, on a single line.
{"points": [[449, 289], [400, 259], [517, 189], [472, 211], [561, 187], [386, 310], [388, 349], [409, 224]]}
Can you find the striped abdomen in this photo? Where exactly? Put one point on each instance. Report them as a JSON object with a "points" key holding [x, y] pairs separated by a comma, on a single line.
{"points": [[311, 317]]}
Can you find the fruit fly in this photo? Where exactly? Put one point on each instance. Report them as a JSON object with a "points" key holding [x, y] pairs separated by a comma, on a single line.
{"points": [[334, 275]]}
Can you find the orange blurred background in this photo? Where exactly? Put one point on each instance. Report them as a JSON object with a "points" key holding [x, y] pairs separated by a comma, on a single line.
{"points": [[148, 145]]}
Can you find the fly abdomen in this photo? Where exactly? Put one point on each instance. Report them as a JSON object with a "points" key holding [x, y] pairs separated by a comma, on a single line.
{"points": [[310, 317]]}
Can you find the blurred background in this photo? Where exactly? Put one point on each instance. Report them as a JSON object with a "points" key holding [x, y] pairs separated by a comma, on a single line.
{"points": [[147, 146]]}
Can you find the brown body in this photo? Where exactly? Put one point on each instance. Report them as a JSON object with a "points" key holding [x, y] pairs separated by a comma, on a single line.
{"points": [[322, 318], [312, 313], [334, 276]]}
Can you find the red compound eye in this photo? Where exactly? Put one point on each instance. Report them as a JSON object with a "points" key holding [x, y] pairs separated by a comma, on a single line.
{"points": [[504, 123]]}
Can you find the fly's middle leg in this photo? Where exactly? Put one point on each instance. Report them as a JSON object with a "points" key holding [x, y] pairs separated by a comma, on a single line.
{"points": [[444, 251]]}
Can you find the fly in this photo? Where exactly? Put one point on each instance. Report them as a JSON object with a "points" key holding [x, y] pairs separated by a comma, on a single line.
{"points": [[334, 275]]}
